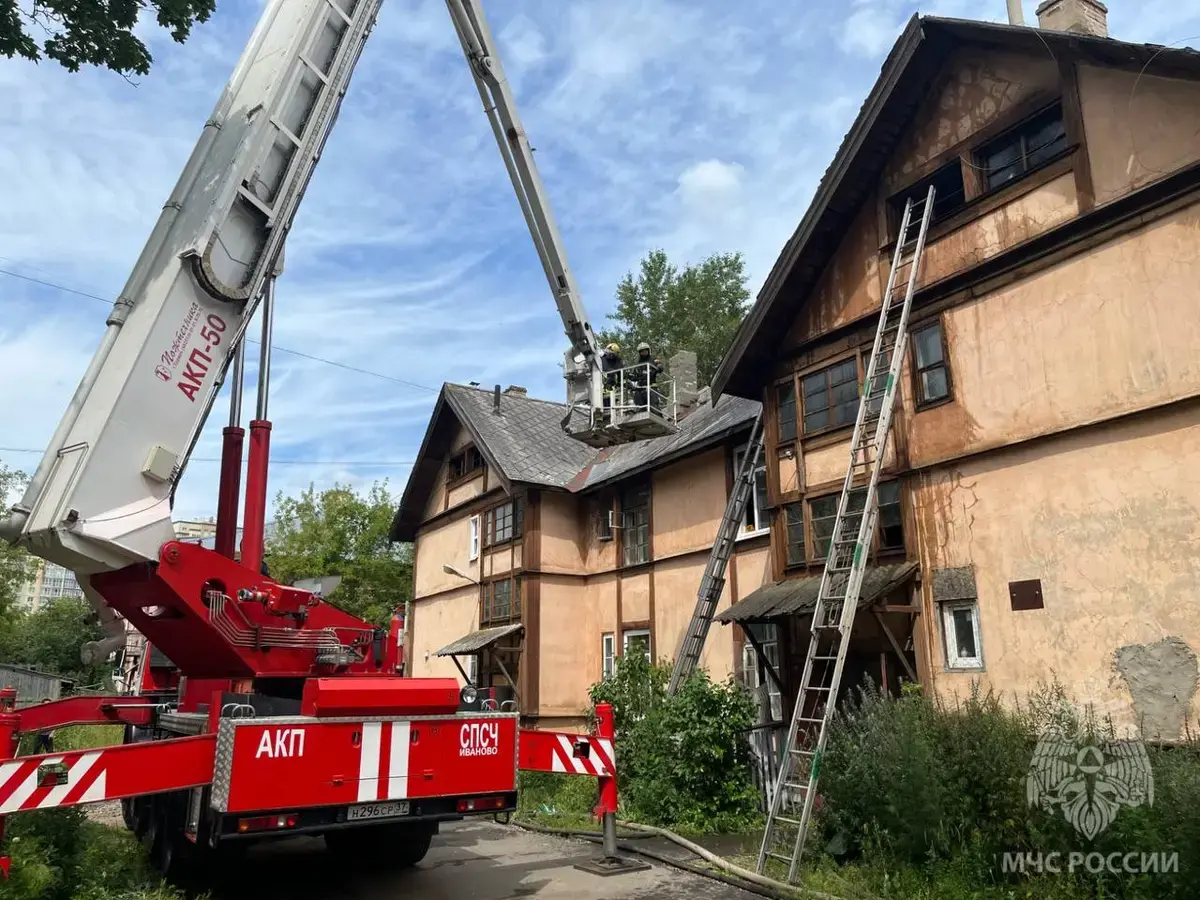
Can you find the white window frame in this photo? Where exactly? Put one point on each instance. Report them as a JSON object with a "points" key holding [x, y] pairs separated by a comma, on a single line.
{"points": [[473, 549], [473, 669], [953, 660], [770, 643], [760, 527], [608, 654], [638, 632]]}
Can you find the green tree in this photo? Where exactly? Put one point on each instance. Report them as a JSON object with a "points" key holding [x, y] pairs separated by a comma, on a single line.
{"points": [[52, 637], [93, 32], [340, 532], [696, 309], [15, 563]]}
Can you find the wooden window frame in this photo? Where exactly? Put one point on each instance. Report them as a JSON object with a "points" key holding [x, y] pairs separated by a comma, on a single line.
{"points": [[641, 486], [780, 440], [487, 601], [920, 403], [1017, 128], [802, 407], [489, 519], [811, 543]]}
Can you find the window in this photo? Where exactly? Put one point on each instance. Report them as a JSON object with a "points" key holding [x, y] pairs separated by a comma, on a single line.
{"points": [[635, 525], [608, 654], [960, 626], [831, 396], [1021, 150], [795, 535], [889, 524], [473, 669], [768, 637], [605, 520], [504, 522], [501, 602], [636, 640], [933, 376], [757, 517], [468, 462], [473, 549], [949, 195], [785, 401]]}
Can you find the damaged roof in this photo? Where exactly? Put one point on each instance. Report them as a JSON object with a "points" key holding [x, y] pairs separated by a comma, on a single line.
{"points": [[524, 443], [905, 81], [799, 595]]}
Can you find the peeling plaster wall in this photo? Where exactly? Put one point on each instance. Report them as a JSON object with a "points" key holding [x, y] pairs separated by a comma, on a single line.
{"points": [[1109, 521], [1107, 332], [1138, 129]]}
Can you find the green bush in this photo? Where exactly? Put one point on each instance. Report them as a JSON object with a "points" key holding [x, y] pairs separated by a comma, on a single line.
{"points": [[683, 761], [915, 784]]}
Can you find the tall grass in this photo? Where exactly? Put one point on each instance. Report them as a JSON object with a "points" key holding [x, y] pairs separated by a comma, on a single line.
{"points": [[917, 784]]}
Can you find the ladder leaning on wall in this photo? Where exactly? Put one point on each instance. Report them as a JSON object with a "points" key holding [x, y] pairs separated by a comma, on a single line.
{"points": [[791, 801], [712, 583]]}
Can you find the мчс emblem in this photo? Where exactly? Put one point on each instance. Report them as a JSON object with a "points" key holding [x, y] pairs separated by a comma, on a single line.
{"points": [[1089, 782]]}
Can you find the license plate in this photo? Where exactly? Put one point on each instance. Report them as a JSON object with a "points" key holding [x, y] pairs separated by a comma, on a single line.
{"points": [[377, 811]]}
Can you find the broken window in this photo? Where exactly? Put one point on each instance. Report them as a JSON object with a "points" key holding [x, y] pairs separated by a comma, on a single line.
{"points": [[889, 523], [949, 196], [831, 396], [960, 627], [933, 375], [468, 462], [1019, 151]]}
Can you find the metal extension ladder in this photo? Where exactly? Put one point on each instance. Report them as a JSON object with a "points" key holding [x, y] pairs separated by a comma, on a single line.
{"points": [[713, 580], [792, 797]]}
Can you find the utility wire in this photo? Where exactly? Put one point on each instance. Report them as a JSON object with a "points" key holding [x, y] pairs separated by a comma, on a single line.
{"points": [[249, 340], [274, 462]]}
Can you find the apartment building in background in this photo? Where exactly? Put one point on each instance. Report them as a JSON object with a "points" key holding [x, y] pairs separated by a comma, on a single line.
{"points": [[1039, 513], [551, 560]]}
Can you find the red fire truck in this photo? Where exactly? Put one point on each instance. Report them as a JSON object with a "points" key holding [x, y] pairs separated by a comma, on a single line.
{"points": [[263, 710]]}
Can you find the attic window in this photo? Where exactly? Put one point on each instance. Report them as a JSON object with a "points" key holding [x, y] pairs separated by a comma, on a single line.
{"points": [[950, 195], [1019, 151], [463, 464]]}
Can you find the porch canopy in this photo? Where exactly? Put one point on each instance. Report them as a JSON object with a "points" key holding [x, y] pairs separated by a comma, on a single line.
{"points": [[478, 641], [798, 596]]}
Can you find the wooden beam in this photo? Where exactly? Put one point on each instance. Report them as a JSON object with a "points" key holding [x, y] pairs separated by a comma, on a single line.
{"points": [[895, 645]]}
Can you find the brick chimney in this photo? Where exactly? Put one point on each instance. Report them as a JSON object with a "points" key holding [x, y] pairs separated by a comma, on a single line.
{"points": [[516, 390], [682, 369], [1076, 16]]}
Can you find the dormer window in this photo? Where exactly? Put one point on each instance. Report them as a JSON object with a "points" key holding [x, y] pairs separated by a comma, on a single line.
{"points": [[465, 463]]}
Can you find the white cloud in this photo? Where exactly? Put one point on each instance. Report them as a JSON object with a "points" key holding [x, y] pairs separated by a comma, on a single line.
{"points": [[692, 126]]}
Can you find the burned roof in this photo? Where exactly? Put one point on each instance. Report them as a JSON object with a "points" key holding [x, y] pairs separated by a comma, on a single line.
{"points": [[524, 442], [905, 81]]}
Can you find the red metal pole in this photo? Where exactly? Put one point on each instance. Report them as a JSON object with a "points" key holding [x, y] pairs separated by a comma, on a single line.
{"points": [[256, 494], [230, 488], [9, 723], [608, 786]]}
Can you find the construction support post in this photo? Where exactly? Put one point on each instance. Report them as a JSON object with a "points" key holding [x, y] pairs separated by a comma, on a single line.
{"points": [[9, 723], [606, 810]]}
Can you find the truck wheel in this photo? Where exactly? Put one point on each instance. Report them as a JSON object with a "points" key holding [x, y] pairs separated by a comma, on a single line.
{"points": [[395, 846]]}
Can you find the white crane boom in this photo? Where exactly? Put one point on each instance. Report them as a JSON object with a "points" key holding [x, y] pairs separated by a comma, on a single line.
{"points": [[101, 497]]}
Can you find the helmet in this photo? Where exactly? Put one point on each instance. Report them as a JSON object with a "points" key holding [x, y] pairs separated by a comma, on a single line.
{"points": [[643, 346], [614, 347]]}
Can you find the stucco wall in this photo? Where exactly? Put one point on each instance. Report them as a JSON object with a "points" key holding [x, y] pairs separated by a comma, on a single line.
{"points": [[1109, 520], [447, 543], [436, 622], [688, 499], [1138, 129], [1106, 332], [573, 616]]}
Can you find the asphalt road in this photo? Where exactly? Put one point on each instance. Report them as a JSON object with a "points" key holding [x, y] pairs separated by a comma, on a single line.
{"points": [[470, 860]]}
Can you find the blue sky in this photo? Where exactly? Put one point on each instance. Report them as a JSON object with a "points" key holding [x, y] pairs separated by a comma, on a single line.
{"points": [[691, 125]]}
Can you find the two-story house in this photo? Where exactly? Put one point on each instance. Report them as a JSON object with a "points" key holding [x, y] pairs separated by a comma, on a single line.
{"points": [[1040, 508], [540, 561]]}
